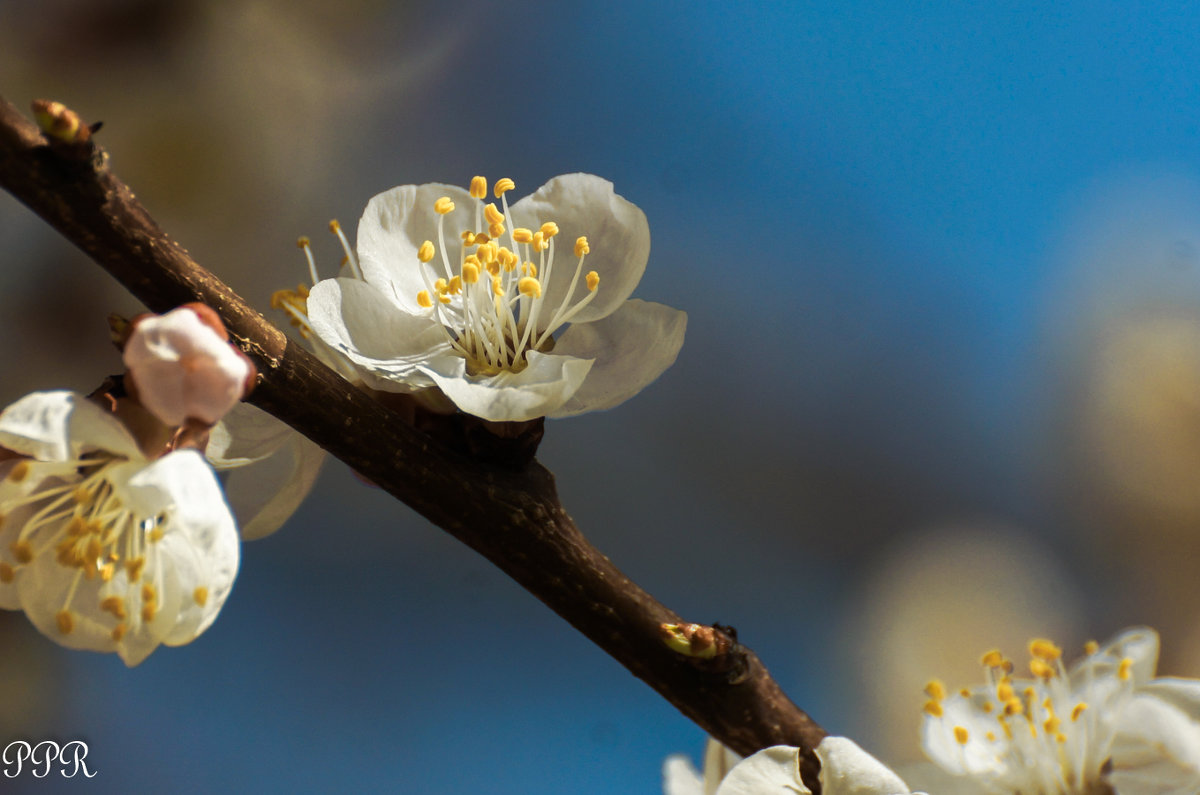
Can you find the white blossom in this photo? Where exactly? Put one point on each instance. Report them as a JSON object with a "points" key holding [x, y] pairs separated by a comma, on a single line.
{"points": [[846, 769], [1104, 725], [102, 548], [509, 313]]}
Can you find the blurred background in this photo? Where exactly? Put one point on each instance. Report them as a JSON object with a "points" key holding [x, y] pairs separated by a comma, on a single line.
{"points": [[940, 391]]}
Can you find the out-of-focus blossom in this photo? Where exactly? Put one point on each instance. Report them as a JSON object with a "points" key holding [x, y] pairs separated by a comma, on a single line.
{"points": [[1103, 725], [103, 548], [182, 367], [478, 307], [846, 769]]}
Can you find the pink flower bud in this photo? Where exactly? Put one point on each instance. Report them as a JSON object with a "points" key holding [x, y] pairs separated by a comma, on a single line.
{"points": [[183, 368]]}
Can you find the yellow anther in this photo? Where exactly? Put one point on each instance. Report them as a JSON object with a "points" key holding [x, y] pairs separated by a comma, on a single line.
{"points": [[497, 286], [114, 605], [478, 187], [492, 215], [1091, 647], [303, 242], [1125, 669], [991, 737], [149, 594], [1079, 708], [503, 186], [334, 226], [134, 568], [992, 659], [148, 612], [156, 535], [1052, 724], [468, 238], [455, 285], [200, 596], [107, 571], [443, 206], [1004, 691], [7, 573], [19, 472], [539, 241], [440, 285], [1044, 649], [65, 621], [472, 259], [960, 734], [77, 527], [522, 235], [582, 247], [94, 550], [443, 299], [933, 708], [593, 281], [1014, 707], [119, 632], [492, 267], [549, 229], [425, 252], [423, 299], [935, 689], [1041, 669], [507, 258], [496, 230], [530, 286], [22, 550], [529, 269], [81, 495], [988, 707], [470, 273], [964, 693]]}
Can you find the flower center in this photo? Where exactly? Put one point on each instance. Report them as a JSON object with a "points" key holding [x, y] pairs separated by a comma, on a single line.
{"points": [[1039, 736], [486, 289], [79, 518], [495, 282]]}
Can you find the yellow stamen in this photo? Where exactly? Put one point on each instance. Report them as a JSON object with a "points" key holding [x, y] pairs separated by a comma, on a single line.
{"points": [[492, 215], [1004, 691], [1125, 669], [1079, 708], [1044, 649], [593, 281], [149, 594], [22, 550], [425, 252], [470, 273], [582, 247], [303, 242], [549, 229], [1091, 647], [496, 230], [539, 241], [933, 708], [935, 689], [200, 595], [148, 612], [65, 621], [119, 632], [1041, 669], [156, 535], [423, 299], [19, 472], [503, 186], [522, 235], [530, 286], [478, 187], [443, 206], [334, 226], [993, 659], [114, 605], [134, 567], [960, 734]]}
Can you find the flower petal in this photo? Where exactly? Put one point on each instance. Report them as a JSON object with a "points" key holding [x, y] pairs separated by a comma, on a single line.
{"points": [[385, 342], [537, 391], [847, 769], [680, 777], [771, 770], [392, 229], [632, 347], [269, 468], [1157, 748], [617, 232], [59, 425]]}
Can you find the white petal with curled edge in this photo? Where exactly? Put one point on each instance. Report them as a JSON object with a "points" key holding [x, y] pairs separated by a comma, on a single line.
{"points": [[618, 235], [1157, 747], [847, 769], [268, 468], [680, 777], [385, 343], [1139, 644], [537, 391], [631, 348], [771, 770], [59, 425], [392, 229]]}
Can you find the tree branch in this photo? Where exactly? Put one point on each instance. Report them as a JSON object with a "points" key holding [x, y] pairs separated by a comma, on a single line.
{"points": [[513, 518]]}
